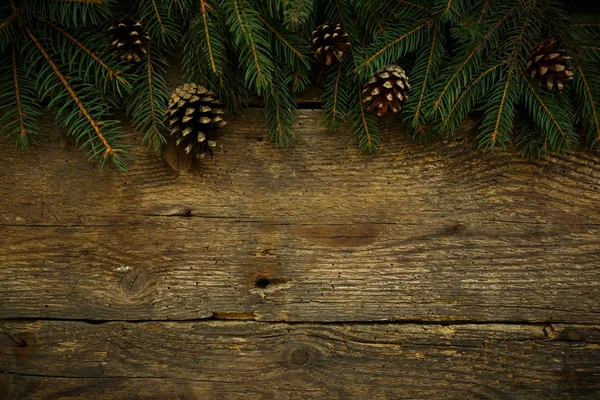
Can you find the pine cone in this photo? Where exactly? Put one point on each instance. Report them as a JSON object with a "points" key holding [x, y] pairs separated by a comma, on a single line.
{"points": [[549, 65], [388, 89], [129, 39], [330, 43], [194, 112]]}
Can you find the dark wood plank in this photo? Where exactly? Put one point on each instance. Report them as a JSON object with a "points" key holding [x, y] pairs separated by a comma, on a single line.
{"points": [[216, 359], [426, 233]]}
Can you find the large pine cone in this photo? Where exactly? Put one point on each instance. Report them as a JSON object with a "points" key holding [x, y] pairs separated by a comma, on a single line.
{"points": [[330, 43], [129, 39], [388, 89], [192, 114], [549, 65]]}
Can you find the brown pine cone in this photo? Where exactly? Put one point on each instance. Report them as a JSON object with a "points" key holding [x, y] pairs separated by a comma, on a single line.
{"points": [[388, 89], [193, 113], [330, 43], [549, 65], [129, 39]]}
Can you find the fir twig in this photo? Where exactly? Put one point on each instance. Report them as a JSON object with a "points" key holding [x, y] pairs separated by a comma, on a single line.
{"points": [[112, 74], [22, 130], [109, 150]]}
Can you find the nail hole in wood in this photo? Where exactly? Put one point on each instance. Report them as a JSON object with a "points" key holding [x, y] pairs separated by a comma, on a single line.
{"points": [[261, 283]]}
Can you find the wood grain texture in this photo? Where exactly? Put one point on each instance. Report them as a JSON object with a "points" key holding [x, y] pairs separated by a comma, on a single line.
{"points": [[216, 359], [320, 231]]}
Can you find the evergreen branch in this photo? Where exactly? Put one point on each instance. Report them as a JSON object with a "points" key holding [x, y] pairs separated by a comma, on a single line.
{"points": [[8, 21], [248, 31], [461, 67], [109, 150], [154, 136], [147, 104], [279, 109], [593, 48], [337, 93], [283, 40], [80, 1], [204, 11], [592, 103], [365, 123], [553, 119], [111, 73], [432, 53], [387, 46], [296, 12], [494, 135], [162, 27], [409, 3], [22, 130], [249, 38], [449, 124]]}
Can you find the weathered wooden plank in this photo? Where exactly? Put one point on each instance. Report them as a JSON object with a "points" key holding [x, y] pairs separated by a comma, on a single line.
{"points": [[430, 233], [216, 359]]}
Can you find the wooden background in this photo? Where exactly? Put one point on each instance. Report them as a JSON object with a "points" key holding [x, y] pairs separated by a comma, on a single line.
{"points": [[315, 271]]}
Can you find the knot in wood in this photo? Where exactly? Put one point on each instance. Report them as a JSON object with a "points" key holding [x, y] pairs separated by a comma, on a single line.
{"points": [[300, 357]]}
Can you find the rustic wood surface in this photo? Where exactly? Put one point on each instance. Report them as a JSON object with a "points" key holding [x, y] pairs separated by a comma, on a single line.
{"points": [[433, 271]]}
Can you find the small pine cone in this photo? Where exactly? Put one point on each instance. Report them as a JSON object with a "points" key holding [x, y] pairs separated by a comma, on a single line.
{"points": [[388, 89], [330, 43], [129, 39], [192, 114], [549, 65]]}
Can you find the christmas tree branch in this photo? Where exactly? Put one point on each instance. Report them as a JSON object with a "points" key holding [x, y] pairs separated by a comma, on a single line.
{"points": [[22, 130], [283, 40], [592, 103], [368, 60], [430, 61], [8, 21], [541, 103], [460, 69], [204, 7], [162, 27], [112, 74], [109, 150], [155, 137], [146, 104], [449, 124], [80, 1]]}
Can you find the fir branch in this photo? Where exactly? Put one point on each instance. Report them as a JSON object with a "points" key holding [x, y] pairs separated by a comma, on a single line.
{"points": [[434, 56], [204, 7], [337, 93], [552, 117], [591, 104], [112, 74], [296, 12], [460, 72], [389, 51], [108, 149], [284, 41], [80, 1], [249, 38], [68, 13], [365, 124], [159, 20], [23, 132], [147, 104], [279, 107], [412, 4], [469, 96]]}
